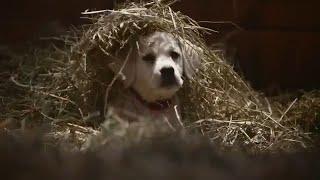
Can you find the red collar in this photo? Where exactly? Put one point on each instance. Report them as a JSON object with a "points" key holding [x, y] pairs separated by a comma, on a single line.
{"points": [[155, 106]]}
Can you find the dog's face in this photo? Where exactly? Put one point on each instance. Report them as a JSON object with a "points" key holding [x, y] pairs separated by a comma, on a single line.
{"points": [[159, 66], [156, 68]]}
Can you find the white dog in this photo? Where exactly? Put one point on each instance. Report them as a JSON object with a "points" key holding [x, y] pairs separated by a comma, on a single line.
{"points": [[152, 74]]}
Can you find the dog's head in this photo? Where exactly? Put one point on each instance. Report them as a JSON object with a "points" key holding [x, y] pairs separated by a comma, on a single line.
{"points": [[156, 67]]}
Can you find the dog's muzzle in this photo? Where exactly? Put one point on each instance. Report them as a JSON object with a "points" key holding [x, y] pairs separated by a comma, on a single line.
{"points": [[168, 77]]}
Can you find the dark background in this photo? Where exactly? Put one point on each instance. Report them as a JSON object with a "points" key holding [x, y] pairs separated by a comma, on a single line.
{"points": [[277, 43]]}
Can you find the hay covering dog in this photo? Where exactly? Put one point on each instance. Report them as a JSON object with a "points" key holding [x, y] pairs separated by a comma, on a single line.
{"points": [[69, 84]]}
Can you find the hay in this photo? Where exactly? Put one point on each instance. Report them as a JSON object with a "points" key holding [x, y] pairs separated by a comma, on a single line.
{"points": [[68, 84]]}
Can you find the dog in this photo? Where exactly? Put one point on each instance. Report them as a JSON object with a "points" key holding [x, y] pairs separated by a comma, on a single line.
{"points": [[152, 73]]}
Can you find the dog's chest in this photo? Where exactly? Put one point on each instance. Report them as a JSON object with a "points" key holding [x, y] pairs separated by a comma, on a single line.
{"points": [[129, 107]]}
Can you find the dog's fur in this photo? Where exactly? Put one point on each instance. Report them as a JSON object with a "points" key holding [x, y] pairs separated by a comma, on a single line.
{"points": [[153, 71]]}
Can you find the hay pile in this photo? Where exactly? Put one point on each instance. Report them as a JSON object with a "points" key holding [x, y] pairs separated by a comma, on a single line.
{"points": [[66, 86]]}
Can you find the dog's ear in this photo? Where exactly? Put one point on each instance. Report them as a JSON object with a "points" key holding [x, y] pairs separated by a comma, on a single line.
{"points": [[125, 67], [191, 57]]}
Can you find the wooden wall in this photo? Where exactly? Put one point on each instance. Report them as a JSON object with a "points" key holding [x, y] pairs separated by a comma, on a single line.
{"points": [[276, 46], [22, 20]]}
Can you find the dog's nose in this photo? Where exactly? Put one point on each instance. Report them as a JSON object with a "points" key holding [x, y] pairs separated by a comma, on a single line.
{"points": [[167, 75], [167, 72]]}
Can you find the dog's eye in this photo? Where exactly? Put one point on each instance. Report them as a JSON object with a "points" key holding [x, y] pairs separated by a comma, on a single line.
{"points": [[149, 58], [174, 55]]}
